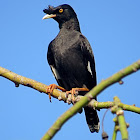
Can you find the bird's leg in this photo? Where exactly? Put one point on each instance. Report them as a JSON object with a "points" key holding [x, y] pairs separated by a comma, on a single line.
{"points": [[74, 92], [51, 87]]}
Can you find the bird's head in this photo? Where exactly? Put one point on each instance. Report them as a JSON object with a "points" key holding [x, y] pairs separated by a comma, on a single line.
{"points": [[61, 14]]}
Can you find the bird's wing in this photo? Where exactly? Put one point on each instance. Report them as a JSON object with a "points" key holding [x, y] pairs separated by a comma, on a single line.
{"points": [[51, 61], [88, 59], [50, 56], [91, 115]]}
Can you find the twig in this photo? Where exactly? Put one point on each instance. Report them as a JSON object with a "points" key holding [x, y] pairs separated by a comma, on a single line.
{"points": [[104, 105], [114, 136], [122, 125], [120, 120]]}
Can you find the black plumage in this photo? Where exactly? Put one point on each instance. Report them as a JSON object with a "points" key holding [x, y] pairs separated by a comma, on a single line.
{"points": [[71, 58]]}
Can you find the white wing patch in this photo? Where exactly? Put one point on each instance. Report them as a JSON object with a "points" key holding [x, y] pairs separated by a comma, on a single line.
{"points": [[84, 86], [55, 72], [89, 68]]}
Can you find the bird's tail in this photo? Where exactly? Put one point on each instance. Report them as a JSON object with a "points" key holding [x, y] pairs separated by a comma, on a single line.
{"points": [[92, 119]]}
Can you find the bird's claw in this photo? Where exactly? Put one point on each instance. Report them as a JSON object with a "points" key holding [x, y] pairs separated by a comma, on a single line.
{"points": [[50, 89], [74, 93]]}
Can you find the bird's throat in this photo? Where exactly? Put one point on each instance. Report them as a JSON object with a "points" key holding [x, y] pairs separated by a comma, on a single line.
{"points": [[72, 24]]}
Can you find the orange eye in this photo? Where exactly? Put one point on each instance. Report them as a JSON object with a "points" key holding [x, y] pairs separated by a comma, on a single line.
{"points": [[60, 10]]}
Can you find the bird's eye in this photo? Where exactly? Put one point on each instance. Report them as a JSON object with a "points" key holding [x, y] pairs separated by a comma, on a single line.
{"points": [[61, 10]]}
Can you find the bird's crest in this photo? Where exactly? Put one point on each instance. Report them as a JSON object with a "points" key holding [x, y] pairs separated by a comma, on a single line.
{"points": [[49, 9]]}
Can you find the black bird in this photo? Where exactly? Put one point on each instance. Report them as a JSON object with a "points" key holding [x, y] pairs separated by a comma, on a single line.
{"points": [[71, 58]]}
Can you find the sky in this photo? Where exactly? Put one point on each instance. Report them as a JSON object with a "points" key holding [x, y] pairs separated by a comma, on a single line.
{"points": [[113, 30]]}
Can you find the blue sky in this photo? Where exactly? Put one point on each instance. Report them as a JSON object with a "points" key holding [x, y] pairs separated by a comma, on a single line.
{"points": [[113, 30]]}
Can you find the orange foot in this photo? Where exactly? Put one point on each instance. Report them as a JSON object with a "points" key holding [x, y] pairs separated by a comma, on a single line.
{"points": [[74, 92], [50, 89]]}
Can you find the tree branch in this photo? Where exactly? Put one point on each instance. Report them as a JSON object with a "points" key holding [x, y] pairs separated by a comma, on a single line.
{"points": [[88, 97], [17, 79], [116, 128], [120, 119], [103, 105]]}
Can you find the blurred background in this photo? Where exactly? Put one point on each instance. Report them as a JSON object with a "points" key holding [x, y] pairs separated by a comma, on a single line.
{"points": [[113, 30]]}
